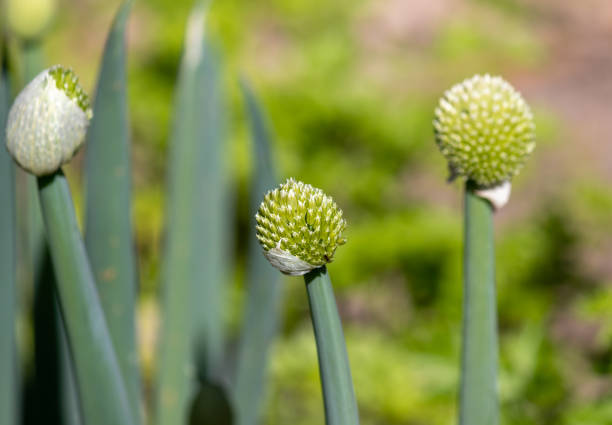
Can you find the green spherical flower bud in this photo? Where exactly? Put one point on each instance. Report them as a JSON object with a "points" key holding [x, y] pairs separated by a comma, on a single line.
{"points": [[485, 130], [28, 19], [299, 227], [48, 121]]}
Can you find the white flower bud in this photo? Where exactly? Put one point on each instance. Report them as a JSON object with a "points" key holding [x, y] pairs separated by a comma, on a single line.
{"points": [[48, 121]]}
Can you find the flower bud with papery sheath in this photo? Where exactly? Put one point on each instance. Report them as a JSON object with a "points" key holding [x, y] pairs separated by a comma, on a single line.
{"points": [[485, 130], [299, 227], [48, 121]]}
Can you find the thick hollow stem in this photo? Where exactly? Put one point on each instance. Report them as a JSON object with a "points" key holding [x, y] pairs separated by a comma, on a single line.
{"points": [[334, 369], [102, 391], [478, 393]]}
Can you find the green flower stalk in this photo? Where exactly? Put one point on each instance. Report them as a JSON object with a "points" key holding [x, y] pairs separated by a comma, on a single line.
{"points": [[485, 130], [299, 228], [48, 121], [46, 125]]}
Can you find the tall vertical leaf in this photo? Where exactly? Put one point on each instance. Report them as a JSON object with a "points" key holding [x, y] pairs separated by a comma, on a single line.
{"points": [[196, 238], [8, 361], [263, 281], [211, 235], [108, 226]]}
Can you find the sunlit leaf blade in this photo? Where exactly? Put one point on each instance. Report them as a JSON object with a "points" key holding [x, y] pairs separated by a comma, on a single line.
{"points": [[197, 235], [108, 226], [263, 281]]}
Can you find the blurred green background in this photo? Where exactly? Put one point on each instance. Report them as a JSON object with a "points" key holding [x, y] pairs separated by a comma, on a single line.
{"points": [[350, 87]]}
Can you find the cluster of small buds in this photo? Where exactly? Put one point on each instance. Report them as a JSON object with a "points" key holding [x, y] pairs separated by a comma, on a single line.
{"points": [[48, 121], [485, 130], [67, 80], [299, 227]]}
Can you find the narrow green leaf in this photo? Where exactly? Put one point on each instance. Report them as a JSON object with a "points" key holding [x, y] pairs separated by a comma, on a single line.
{"points": [[108, 226], [196, 251], [334, 368], [43, 400], [212, 214], [103, 395], [50, 393], [263, 281], [478, 393], [8, 361], [71, 413]]}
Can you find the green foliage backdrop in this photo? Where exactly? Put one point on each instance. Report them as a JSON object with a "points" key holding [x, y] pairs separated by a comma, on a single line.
{"points": [[349, 87]]}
